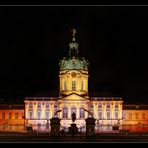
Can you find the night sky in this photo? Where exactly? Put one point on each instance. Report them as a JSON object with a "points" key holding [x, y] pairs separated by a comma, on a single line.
{"points": [[113, 38]]}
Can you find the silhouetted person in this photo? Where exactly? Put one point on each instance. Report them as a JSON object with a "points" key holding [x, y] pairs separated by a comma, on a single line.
{"points": [[73, 117]]}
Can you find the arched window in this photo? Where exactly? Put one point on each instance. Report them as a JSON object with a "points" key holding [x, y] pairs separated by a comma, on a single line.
{"points": [[82, 115], [65, 112], [100, 115], [73, 110], [74, 85]]}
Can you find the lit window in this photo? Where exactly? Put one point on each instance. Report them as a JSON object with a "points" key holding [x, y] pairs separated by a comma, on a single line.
{"points": [[143, 115], [116, 115], [116, 106], [73, 110], [100, 105], [47, 115], [10, 115], [73, 85], [91, 106], [108, 115], [16, 115], [137, 116], [3, 115], [65, 112], [108, 106], [30, 114], [100, 115], [130, 115], [82, 115], [39, 105], [39, 114], [55, 106], [30, 105], [47, 105]]}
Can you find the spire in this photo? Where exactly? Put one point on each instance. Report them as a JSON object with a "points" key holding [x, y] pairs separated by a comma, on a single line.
{"points": [[73, 45], [74, 32]]}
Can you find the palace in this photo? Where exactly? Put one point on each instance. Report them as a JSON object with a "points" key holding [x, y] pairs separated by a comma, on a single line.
{"points": [[74, 97]]}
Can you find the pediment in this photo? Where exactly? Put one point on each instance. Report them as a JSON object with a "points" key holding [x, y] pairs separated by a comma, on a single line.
{"points": [[74, 97]]}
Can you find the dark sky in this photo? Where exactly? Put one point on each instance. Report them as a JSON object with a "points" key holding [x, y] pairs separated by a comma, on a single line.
{"points": [[113, 38]]}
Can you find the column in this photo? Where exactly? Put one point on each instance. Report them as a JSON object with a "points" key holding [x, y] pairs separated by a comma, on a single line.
{"points": [[43, 110], [95, 109], [78, 111], [69, 111], [51, 109], [34, 109], [60, 108]]}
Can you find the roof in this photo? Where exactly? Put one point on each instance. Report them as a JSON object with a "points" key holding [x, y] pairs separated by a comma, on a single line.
{"points": [[42, 98], [105, 98], [12, 106], [135, 107]]}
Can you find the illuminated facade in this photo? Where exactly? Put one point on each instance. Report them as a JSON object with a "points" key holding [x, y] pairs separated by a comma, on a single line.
{"points": [[12, 117], [74, 97]]}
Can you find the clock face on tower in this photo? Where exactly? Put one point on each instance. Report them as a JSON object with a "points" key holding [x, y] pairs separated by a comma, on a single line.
{"points": [[73, 74]]}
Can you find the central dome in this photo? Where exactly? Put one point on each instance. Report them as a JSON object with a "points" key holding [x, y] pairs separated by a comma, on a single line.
{"points": [[73, 63]]}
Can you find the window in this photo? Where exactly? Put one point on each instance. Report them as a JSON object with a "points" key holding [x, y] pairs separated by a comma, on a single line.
{"points": [[3, 115], [39, 105], [82, 85], [47, 115], [100, 105], [130, 115], [91, 106], [39, 114], [116, 106], [73, 85], [30, 114], [137, 116], [108, 115], [82, 115], [116, 115], [10, 116], [143, 115], [65, 85], [30, 105], [55, 106], [107, 106], [73, 110], [100, 115], [16, 115], [47, 105], [65, 112]]}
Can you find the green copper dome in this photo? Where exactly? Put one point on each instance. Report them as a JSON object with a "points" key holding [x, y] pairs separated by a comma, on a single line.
{"points": [[73, 61]]}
